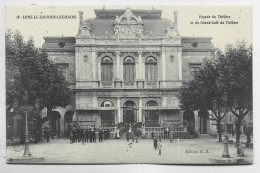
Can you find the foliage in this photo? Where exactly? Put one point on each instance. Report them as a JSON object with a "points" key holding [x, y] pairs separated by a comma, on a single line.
{"points": [[229, 72], [29, 68]]}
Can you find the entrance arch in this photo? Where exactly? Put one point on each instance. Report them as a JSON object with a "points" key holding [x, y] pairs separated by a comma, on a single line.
{"points": [[151, 116], [203, 121], [55, 123], [129, 112], [189, 121], [68, 122], [107, 116]]}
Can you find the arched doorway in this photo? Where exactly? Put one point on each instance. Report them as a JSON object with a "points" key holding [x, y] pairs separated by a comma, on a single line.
{"points": [[55, 123], [151, 116], [107, 116], [189, 121], [203, 121], [68, 122], [129, 112]]}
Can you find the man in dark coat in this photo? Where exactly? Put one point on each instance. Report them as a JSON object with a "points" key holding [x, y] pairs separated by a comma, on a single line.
{"points": [[108, 133], [87, 135], [94, 135], [100, 134], [48, 134], [155, 143]]}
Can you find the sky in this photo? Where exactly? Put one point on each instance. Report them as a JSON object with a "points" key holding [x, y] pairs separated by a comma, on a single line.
{"points": [[221, 33]]}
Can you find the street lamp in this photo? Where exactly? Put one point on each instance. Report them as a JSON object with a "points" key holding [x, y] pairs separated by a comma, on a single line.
{"points": [[25, 109], [27, 152]]}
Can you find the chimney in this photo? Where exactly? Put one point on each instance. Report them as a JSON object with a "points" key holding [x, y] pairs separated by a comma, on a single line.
{"points": [[175, 19], [80, 17]]}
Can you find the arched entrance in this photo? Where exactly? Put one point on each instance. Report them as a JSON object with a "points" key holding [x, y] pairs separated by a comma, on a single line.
{"points": [[55, 123], [189, 121], [107, 116], [203, 121], [68, 122], [129, 112], [151, 116]]}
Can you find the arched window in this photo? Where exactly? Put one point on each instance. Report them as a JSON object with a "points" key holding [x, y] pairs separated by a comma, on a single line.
{"points": [[107, 103], [151, 69], [107, 69], [151, 103], [129, 70]]}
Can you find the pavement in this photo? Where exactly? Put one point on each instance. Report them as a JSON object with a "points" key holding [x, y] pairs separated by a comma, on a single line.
{"points": [[182, 151]]}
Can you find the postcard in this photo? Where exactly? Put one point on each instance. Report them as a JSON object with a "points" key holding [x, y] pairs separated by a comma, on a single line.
{"points": [[129, 84]]}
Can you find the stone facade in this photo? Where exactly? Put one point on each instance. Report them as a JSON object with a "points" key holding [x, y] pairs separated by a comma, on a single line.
{"points": [[146, 60]]}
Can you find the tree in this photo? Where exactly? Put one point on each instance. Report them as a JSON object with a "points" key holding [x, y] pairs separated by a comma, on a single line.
{"points": [[226, 79], [236, 77], [201, 92], [29, 68]]}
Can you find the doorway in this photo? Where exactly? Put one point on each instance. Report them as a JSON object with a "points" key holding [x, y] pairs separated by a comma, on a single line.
{"points": [[129, 112]]}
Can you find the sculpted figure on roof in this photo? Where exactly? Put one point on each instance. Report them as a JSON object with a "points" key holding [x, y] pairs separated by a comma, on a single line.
{"points": [[128, 25], [171, 31]]}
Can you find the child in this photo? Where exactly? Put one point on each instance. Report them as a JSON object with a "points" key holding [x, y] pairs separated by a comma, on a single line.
{"points": [[160, 147]]}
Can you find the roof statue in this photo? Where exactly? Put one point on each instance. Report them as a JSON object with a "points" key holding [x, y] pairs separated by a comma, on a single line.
{"points": [[128, 25]]}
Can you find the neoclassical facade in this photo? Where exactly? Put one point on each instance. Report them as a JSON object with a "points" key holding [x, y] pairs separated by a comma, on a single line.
{"points": [[127, 66]]}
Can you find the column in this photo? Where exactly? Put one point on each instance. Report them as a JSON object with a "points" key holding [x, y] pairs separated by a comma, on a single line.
{"points": [[77, 64], [180, 64], [117, 66], [93, 63], [139, 65], [163, 67], [119, 110], [99, 70], [140, 116], [196, 121]]}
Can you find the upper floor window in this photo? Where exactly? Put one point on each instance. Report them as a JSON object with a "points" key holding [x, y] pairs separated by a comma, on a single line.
{"points": [[62, 67], [194, 69], [107, 69], [129, 70], [151, 69], [151, 103]]}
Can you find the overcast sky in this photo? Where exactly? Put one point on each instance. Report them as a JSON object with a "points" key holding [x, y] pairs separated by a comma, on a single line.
{"points": [[221, 33]]}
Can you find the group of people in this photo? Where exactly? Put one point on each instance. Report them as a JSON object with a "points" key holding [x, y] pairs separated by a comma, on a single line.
{"points": [[88, 135], [133, 133]]}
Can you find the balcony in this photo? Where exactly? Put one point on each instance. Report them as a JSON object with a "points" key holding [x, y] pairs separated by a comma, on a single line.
{"points": [[139, 84]]}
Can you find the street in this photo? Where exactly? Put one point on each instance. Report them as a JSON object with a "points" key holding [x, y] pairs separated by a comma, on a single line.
{"points": [[186, 151]]}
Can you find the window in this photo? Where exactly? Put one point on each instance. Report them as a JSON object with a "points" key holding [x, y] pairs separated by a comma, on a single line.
{"points": [[129, 70], [151, 69], [63, 69], [107, 70], [107, 104], [151, 103], [194, 69]]}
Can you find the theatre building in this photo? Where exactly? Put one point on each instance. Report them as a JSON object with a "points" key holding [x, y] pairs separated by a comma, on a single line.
{"points": [[127, 66]]}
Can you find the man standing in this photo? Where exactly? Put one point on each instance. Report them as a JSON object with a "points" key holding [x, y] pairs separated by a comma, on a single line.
{"points": [[87, 135], [100, 133], [94, 135], [155, 143], [160, 148]]}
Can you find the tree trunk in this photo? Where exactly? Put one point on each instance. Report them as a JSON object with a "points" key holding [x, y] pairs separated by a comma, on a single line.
{"points": [[219, 131], [238, 132]]}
